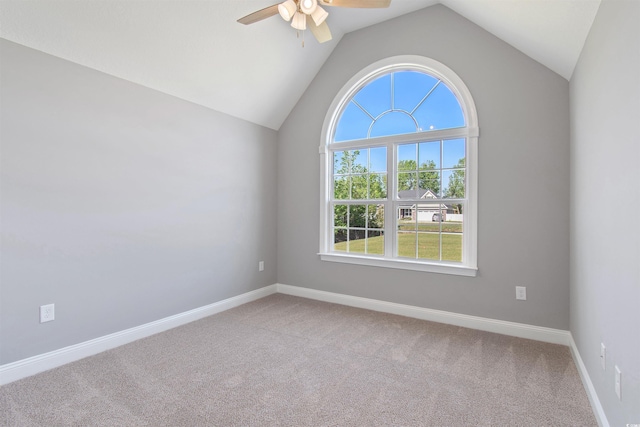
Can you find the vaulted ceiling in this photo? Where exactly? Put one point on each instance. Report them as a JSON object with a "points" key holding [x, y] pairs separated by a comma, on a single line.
{"points": [[195, 49]]}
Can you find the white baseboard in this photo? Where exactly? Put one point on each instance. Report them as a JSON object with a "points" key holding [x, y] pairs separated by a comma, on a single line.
{"points": [[33, 365], [598, 411], [554, 336], [538, 333], [43, 362]]}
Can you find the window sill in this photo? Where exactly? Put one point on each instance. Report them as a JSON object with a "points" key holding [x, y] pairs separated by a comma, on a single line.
{"points": [[402, 264]]}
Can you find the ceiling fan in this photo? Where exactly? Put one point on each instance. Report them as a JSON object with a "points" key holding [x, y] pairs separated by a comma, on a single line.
{"points": [[305, 14]]}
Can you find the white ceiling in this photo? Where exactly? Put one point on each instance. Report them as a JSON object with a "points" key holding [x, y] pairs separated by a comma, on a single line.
{"points": [[195, 49]]}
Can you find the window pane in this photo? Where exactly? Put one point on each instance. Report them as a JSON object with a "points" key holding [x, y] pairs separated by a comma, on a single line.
{"points": [[341, 162], [340, 239], [357, 216], [378, 159], [341, 187], [409, 87], [429, 184], [452, 235], [340, 216], [407, 185], [429, 246], [378, 186], [440, 110], [375, 97], [452, 247], [407, 244], [352, 178], [407, 157], [453, 153], [358, 160], [429, 155], [359, 186], [375, 216], [453, 183], [375, 242], [353, 124], [452, 223], [337, 160], [357, 241]]}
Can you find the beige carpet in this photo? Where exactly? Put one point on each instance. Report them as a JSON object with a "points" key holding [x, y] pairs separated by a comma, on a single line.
{"points": [[290, 361]]}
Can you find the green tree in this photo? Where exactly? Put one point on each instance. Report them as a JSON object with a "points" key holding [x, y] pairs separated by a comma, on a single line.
{"points": [[425, 178], [352, 181]]}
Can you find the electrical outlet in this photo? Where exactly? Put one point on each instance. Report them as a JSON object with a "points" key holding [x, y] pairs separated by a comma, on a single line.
{"points": [[47, 313], [618, 382], [603, 356], [261, 266], [521, 292]]}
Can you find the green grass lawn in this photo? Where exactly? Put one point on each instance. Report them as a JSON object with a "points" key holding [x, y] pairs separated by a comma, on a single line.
{"points": [[428, 246], [447, 227]]}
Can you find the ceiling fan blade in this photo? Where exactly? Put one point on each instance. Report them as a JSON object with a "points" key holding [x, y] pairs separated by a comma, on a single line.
{"points": [[356, 3], [320, 32], [259, 15]]}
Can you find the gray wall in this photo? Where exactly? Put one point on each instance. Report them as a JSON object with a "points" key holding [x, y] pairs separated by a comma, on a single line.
{"points": [[121, 205], [605, 171], [523, 223]]}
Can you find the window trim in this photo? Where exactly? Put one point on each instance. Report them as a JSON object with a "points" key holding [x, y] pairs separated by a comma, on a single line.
{"points": [[460, 90]]}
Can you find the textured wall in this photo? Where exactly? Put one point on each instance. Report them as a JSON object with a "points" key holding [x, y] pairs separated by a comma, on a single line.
{"points": [[605, 252], [523, 221], [121, 205]]}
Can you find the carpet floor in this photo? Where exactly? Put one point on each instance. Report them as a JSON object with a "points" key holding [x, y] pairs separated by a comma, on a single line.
{"points": [[288, 361]]}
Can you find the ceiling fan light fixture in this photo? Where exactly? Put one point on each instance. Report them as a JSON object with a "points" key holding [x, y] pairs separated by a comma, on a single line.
{"points": [[319, 15], [287, 9], [308, 6], [299, 21]]}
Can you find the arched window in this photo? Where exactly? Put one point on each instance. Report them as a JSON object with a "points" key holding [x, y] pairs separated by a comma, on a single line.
{"points": [[399, 169]]}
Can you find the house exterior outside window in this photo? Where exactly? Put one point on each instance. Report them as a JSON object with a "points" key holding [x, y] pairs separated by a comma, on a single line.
{"points": [[399, 170]]}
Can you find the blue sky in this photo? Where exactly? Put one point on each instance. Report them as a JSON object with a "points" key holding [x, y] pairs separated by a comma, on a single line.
{"points": [[397, 103]]}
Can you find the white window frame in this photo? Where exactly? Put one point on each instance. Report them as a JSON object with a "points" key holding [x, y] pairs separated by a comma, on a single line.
{"points": [[468, 267]]}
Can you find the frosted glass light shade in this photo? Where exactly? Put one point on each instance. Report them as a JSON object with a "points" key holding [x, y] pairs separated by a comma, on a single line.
{"points": [[308, 6], [287, 9], [319, 15], [299, 21]]}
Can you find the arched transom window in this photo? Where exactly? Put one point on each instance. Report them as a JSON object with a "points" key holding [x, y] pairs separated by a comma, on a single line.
{"points": [[398, 164], [399, 102]]}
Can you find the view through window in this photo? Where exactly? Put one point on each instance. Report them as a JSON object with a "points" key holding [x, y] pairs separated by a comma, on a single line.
{"points": [[398, 176]]}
